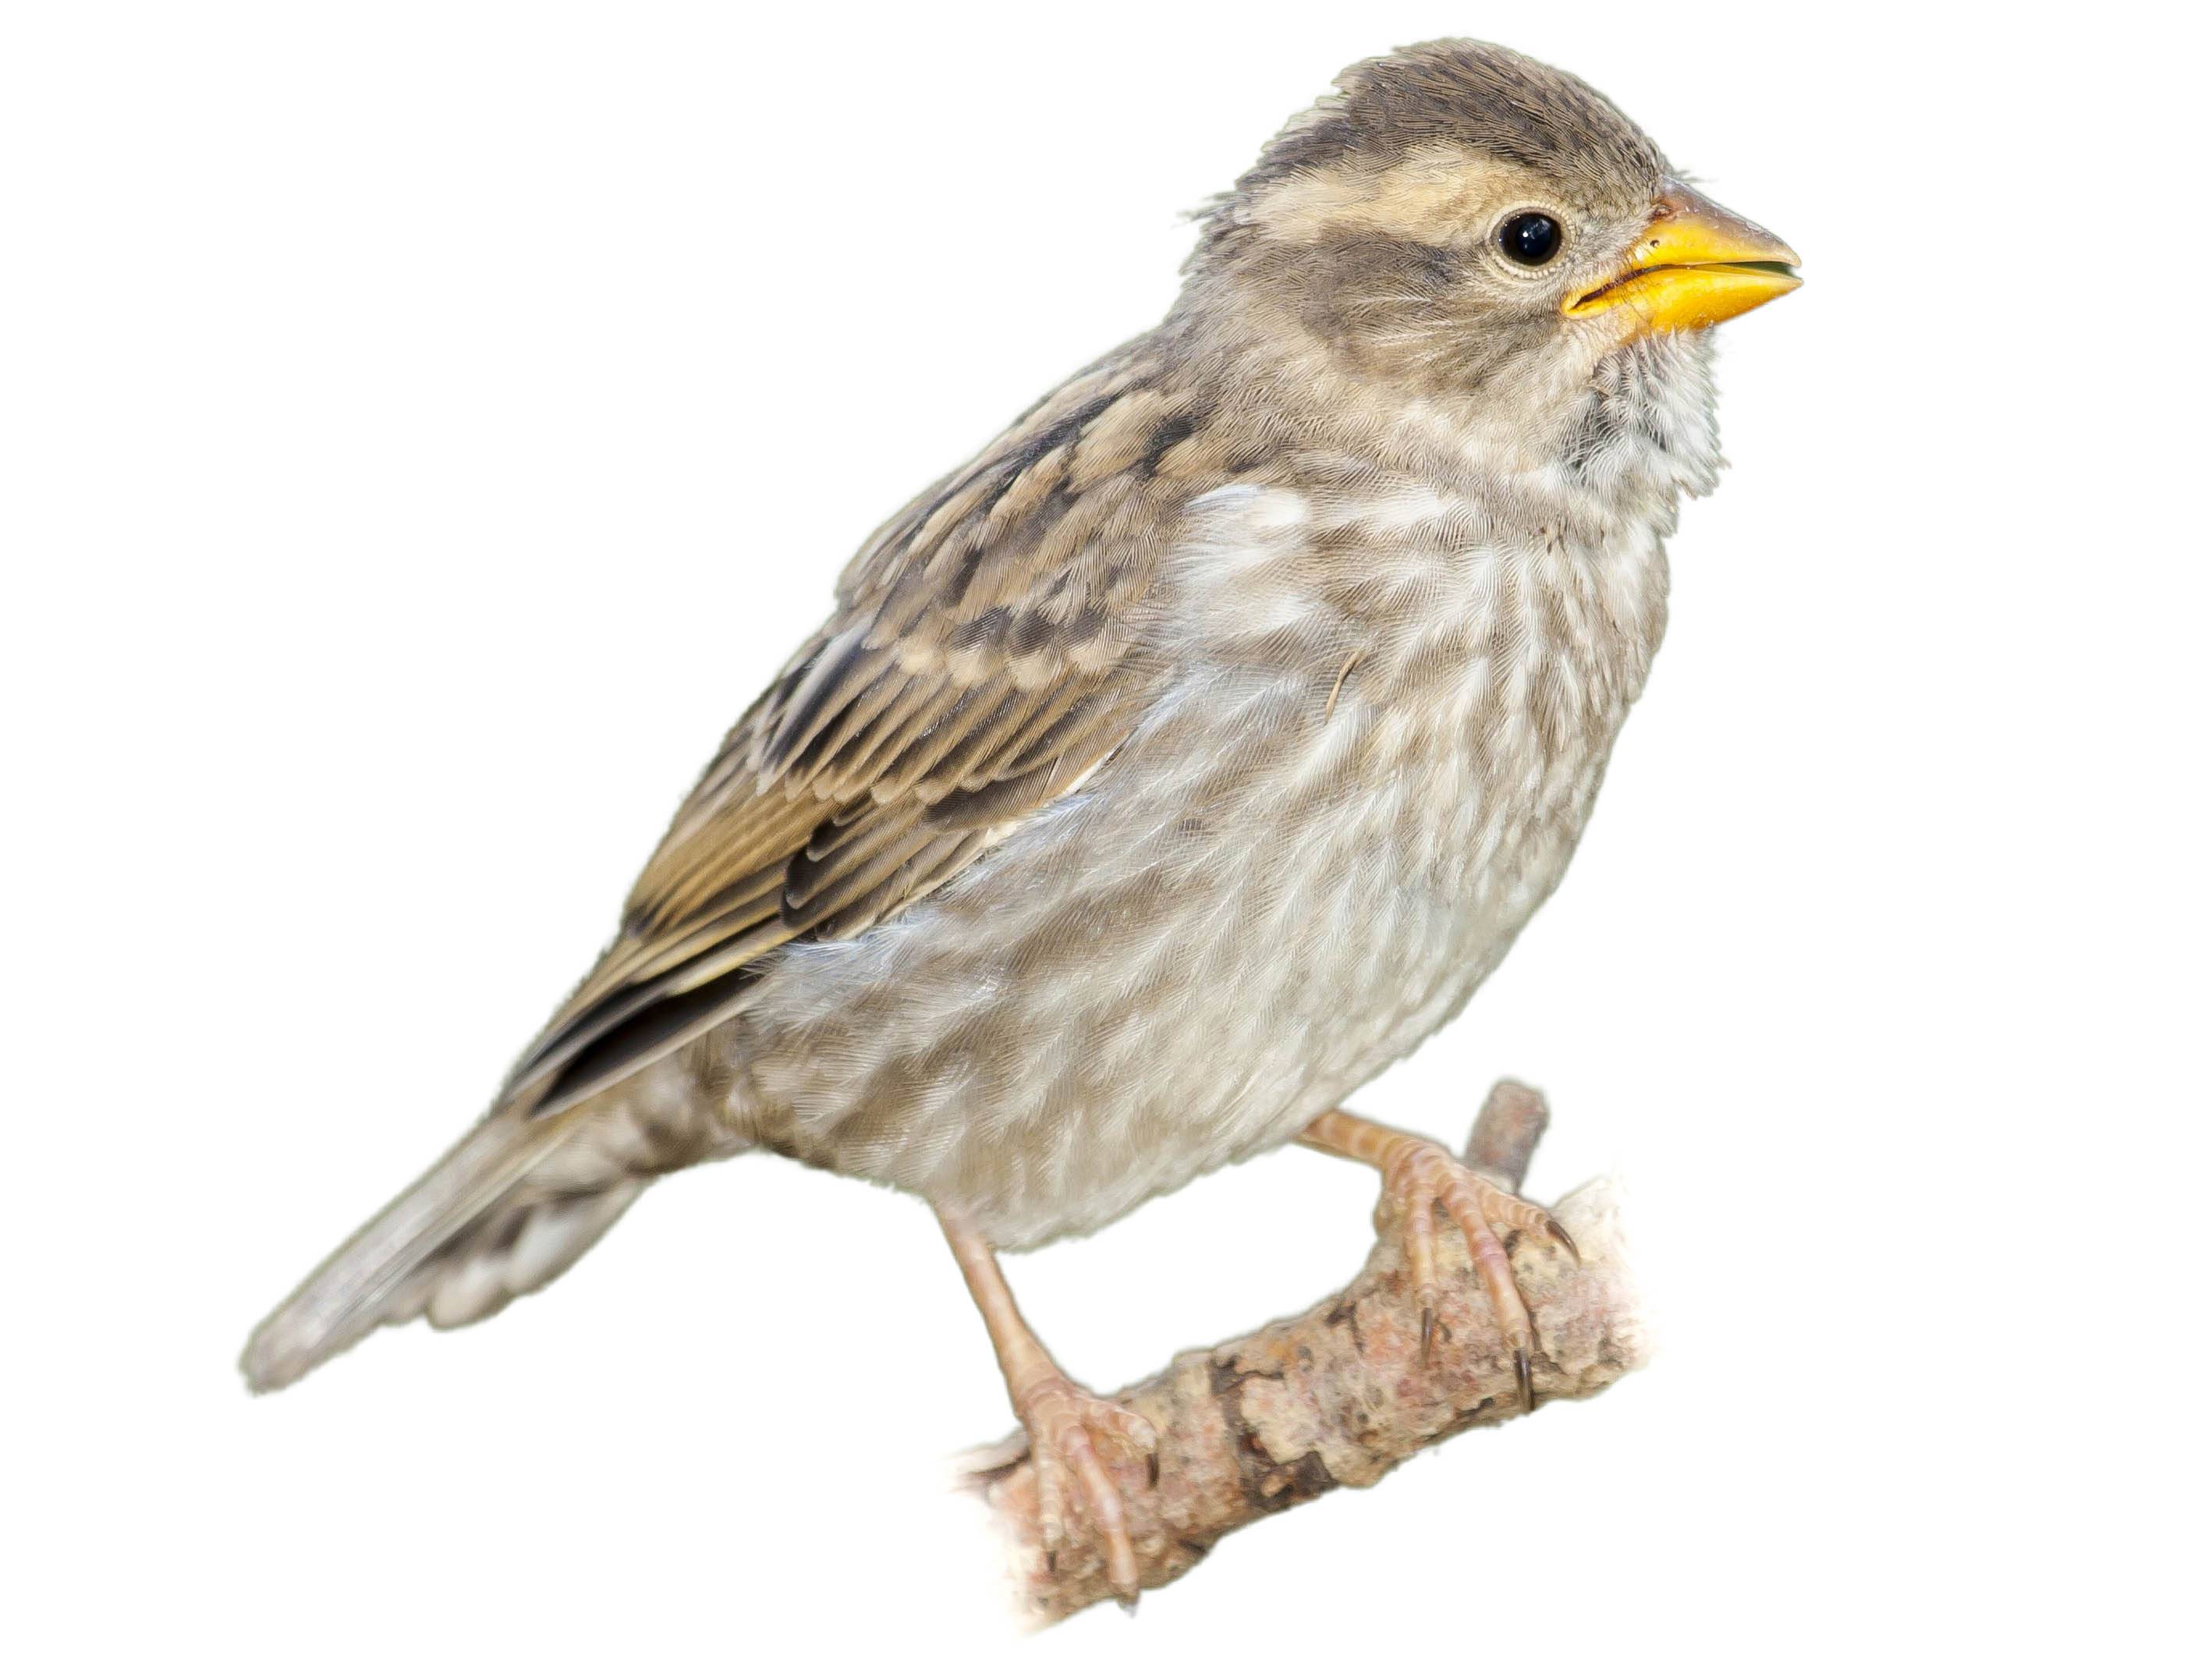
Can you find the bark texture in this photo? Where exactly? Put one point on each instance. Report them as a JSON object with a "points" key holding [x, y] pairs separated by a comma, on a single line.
{"points": [[1340, 1394]]}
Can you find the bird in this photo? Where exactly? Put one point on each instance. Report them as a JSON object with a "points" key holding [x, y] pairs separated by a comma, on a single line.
{"points": [[1175, 765]]}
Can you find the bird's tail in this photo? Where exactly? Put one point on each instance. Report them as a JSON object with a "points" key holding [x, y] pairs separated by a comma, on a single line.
{"points": [[483, 1226]]}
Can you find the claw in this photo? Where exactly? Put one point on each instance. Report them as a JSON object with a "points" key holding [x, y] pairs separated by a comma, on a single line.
{"points": [[1428, 1331], [1526, 1381], [1561, 1237]]}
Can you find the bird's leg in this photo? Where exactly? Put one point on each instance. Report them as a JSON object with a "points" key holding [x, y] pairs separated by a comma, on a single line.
{"points": [[1080, 1444], [1418, 1176]]}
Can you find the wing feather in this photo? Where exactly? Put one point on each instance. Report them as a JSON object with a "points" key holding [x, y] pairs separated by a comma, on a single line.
{"points": [[985, 659]]}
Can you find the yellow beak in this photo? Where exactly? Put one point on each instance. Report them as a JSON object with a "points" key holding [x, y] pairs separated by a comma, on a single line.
{"points": [[1696, 265]]}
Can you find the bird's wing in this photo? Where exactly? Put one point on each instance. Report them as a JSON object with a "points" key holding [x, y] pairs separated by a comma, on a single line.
{"points": [[984, 659]]}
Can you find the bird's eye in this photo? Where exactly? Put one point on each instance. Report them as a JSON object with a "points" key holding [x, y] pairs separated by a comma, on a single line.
{"points": [[1529, 239]]}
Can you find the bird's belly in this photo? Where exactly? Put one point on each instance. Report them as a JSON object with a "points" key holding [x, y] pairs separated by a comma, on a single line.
{"points": [[1261, 903]]}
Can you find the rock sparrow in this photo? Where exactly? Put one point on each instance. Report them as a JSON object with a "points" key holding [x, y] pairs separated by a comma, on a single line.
{"points": [[1177, 764]]}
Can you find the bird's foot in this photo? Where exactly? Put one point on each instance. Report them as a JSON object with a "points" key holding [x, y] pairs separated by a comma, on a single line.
{"points": [[1419, 1178], [1088, 1451]]}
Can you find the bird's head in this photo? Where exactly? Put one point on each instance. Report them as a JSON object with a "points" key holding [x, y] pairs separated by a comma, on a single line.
{"points": [[1459, 217]]}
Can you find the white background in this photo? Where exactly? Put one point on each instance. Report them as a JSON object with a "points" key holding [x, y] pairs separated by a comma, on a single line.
{"points": [[425, 426]]}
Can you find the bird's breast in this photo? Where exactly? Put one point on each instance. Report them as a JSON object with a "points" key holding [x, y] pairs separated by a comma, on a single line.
{"points": [[1397, 706], [1393, 638]]}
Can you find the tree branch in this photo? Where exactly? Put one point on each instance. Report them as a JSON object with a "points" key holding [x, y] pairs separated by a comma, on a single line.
{"points": [[1340, 1394]]}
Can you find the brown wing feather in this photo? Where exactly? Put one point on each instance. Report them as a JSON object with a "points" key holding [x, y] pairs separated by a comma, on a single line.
{"points": [[984, 659]]}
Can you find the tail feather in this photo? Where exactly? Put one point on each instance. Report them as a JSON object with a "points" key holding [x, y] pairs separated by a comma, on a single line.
{"points": [[387, 1271], [508, 1210]]}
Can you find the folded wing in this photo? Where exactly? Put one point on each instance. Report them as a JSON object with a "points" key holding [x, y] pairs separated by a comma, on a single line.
{"points": [[986, 656]]}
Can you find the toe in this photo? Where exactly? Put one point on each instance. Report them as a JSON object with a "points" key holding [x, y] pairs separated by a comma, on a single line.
{"points": [[1101, 1499]]}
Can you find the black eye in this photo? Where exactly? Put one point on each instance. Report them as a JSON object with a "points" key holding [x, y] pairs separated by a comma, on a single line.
{"points": [[1529, 239]]}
